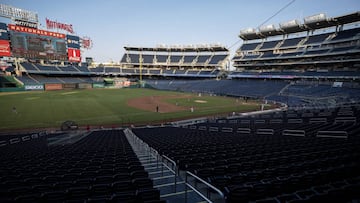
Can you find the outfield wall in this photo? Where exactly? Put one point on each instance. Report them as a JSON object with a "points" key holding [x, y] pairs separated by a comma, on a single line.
{"points": [[53, 86], [69, 86], [57, 86], [84, 86], [34, 87], [12, 89]]}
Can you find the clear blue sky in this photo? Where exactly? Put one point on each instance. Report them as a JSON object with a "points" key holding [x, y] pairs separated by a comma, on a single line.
{"points": [[113, 24]]}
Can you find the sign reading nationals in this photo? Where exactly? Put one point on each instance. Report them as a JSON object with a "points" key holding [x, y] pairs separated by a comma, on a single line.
{"points": [[50, 24], [35, 31]]}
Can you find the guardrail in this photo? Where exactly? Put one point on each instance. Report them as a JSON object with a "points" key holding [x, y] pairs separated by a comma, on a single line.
{"points": [[175, 170], [207, 198], [152, 152]]}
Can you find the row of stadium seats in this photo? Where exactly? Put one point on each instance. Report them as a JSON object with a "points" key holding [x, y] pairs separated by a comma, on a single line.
{"points": [[183, 60], [345, 121], [36, 68], [274, 90], [333, 37], [300, 53], [258, 166], [249, 88], [41, 79], [207, 73], [101, 167], [294, 74], [285, 74], [156, 71], [338, 46], [79, 70], [330, 113]]}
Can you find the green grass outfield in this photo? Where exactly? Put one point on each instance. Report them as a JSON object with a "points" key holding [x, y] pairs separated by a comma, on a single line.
{"points": [[97, 107]]}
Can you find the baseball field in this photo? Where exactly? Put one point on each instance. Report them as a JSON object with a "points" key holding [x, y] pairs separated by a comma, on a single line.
{"points": [[110, 107]]}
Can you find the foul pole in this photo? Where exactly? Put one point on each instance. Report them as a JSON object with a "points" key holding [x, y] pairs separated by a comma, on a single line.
{"points": [[140, 61]]}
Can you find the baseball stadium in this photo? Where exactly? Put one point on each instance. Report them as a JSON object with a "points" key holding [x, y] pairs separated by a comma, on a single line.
{"points": [[277, 120]]}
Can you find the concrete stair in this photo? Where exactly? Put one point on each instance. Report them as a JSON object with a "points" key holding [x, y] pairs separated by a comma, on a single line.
{"points": [[162, 175]]}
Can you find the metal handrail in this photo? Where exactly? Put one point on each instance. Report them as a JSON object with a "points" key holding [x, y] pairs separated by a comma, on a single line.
{"points": [[199, 193], [206, 183], [170, 160], [175, 171], [152, 152]]}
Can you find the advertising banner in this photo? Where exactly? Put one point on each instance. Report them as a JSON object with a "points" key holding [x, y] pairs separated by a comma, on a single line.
{"points": [[73, 41], [98, 85], [29, 45], [35, 31], [69, 86], [74, 55], [86, 42], [51, 24], [5, 48], [34, 87], [4, 34], [84, 86], [53, 87], [26, 24]]}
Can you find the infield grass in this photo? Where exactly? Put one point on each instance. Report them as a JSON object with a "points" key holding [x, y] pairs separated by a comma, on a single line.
{"points": [[45, 109]]}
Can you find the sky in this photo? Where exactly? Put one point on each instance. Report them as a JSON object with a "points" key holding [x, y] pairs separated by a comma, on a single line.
{"points": [[113, 24]]}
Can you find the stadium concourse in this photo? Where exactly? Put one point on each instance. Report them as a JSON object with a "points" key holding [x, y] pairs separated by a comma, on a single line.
{"points": [[307, 151]]}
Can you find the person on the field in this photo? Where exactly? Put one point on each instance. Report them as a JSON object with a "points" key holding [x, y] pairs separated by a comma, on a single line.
{"points": [[14, 110], [157, 108]]}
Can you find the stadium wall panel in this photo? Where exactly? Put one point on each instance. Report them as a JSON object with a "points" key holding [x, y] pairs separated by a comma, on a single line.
{"points": [[98, 85], [11, 89], [53, 87], [84, 86], [34, 87], [67, 86]]}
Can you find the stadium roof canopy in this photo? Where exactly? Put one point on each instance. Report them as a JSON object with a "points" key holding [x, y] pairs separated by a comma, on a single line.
{"points": [[189, 48], [310, 23]]}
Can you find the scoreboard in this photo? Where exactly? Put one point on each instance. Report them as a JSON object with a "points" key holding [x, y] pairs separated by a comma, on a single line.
{"points": [[23, 38], [33, 43], [37, 44]]}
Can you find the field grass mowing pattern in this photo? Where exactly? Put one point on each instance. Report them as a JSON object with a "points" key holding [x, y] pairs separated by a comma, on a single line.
{"points": [[101, 107]]}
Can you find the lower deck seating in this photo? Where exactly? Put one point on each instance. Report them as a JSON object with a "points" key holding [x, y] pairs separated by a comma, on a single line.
{"points": [[262, 167], [100, 167]]}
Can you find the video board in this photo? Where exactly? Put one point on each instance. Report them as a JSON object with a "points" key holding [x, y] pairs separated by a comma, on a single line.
{"points": [[4, 34], [73, 41], [5, 48], [4, 41], [74, 55], [37, 44]]}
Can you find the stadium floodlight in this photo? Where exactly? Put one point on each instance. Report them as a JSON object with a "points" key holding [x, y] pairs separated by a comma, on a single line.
{"points": [[289, 24], [267, 28], [18, 14], [248, 31], [315, 18]]}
